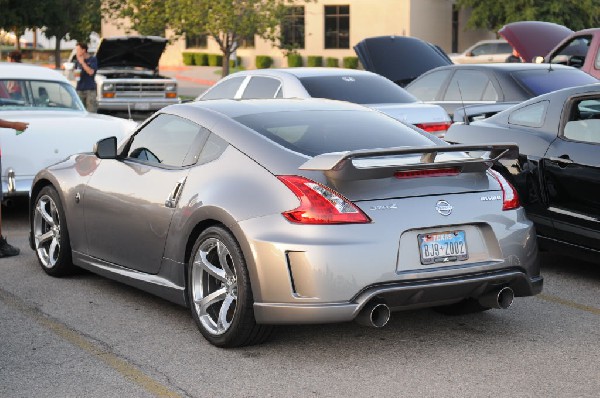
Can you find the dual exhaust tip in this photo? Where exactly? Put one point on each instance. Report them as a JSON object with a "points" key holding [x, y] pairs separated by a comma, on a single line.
{"points": [[377, 314]]}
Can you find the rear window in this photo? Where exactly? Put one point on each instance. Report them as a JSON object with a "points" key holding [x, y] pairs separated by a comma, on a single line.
{"points": [[357, 89], [315, 132], [542, 81]]}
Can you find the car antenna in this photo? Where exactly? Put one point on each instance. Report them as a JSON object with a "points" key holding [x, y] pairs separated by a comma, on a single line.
{"points": [[462, 103]]}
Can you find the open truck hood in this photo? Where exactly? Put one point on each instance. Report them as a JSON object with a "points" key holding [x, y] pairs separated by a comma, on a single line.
{"points": [[534, 38], [130, 51], [399, 58]]}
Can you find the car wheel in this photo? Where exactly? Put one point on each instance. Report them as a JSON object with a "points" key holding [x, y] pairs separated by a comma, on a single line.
{"points": [[219, 291], [50, 234], [467, 306]]}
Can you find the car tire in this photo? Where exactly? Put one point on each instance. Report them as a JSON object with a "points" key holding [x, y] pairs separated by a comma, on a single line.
{"points": [[219, 291], [50, 234], [464, 307]]}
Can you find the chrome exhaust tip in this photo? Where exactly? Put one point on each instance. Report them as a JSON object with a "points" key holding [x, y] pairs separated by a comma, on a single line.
{"points": [[374, 314], [501, 299]]}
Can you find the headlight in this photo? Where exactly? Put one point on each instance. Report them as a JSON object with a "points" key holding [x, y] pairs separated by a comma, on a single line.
{"points": [[170, 87], [108, 87]]}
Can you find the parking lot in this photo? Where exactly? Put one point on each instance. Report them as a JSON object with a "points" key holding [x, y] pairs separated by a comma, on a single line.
{"points": [[89, 336]]}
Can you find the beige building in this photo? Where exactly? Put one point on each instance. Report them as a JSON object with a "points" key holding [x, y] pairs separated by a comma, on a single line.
{"points": [[330, 28]]}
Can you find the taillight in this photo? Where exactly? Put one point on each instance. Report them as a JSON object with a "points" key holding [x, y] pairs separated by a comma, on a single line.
{"points": [[442, 172], [436, 128], [510, 197], [320, 204]]}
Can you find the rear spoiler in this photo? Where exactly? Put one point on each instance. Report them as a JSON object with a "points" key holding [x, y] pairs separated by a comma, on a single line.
{"points": [[341, 165]]}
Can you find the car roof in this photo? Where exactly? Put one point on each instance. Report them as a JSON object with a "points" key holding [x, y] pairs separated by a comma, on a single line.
{"points": [[13, 70], [301, 72]]}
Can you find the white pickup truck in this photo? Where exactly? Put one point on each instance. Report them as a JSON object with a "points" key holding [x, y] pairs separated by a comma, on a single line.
{"points": [[127, 77]]}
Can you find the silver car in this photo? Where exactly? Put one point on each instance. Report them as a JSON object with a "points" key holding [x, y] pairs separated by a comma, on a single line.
{"points": [[357, 86], [263, 212]]}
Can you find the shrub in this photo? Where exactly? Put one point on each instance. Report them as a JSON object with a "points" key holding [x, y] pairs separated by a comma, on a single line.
{"points": [[314, 60], [215, 60], [188, 59], [232, 62], [332, 62], [263, 61], [350, 62], [294, 60], [201, 59]]}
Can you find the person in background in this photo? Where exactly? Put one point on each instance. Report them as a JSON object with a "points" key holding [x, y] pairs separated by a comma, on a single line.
{"points": [[7, 250], [86, 85], [14, 87], [514, 57], [14, 56]]}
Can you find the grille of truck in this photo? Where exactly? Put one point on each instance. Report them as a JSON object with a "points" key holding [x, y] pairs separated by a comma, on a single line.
{"points": [[137, 90]]}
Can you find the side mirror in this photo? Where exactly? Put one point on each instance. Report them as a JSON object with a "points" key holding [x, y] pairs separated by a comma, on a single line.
{"points": [[106, 148], [538, 60]]}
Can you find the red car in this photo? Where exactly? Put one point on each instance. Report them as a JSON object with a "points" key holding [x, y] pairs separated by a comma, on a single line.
{"points": [[556, 44]]}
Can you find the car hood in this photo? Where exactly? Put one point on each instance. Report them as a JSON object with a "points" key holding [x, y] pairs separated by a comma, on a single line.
{"points": [[401, 59], [534, 38], [130, 51]]}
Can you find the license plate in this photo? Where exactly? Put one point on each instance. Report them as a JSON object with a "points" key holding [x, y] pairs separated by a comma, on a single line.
{"points": [[141, 106], [443, 247]]}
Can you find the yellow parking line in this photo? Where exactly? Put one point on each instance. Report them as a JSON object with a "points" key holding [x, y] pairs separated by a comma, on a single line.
{"points": [[569, 303], [127, 370]]}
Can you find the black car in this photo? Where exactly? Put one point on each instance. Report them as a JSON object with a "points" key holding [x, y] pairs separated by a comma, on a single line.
{"points": [[455, 86], [557, 173]]}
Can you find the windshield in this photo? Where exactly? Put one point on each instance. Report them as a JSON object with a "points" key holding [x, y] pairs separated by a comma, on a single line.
{"points": [[37, 95], [357, 89], [542, 81], [316, 132]]}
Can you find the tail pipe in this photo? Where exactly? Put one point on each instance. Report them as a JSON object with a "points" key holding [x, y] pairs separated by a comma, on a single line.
{"points": [[374, 314], [501, 298]]}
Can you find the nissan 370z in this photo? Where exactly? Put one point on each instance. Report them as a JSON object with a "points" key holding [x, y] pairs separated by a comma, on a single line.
{"points": [[263, 212]]}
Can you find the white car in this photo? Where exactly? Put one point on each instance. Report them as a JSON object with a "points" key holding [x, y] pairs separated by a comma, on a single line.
{"points": [[59, 125], [484, 52]]}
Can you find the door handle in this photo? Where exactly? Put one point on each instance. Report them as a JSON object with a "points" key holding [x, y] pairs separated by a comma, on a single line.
{"points": [[175, 194], [562, 160]]}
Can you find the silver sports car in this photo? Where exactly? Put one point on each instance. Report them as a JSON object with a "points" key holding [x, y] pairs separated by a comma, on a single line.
{"points": [[263, 212]]}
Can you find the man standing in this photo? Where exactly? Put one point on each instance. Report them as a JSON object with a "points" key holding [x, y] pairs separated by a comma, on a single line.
{"points": [[86, 85], [7, 250]]}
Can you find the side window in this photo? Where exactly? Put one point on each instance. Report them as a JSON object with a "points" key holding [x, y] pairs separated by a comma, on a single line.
{"points": [[225, 89], [427, 87], [503, 48], [530, 115], [573, 52], [261, 87], [168, 140], [213, 148], [483, 49], [584, 121], [470, 85]]}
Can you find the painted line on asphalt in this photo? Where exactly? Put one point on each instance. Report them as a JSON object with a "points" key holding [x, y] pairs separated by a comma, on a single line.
{"points": [[569, 303], [123, 367]]}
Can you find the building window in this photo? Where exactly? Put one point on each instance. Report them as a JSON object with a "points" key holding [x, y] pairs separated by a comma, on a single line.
{"points": [[292, 28], [247, 42], [337, 26], [196, 41]]}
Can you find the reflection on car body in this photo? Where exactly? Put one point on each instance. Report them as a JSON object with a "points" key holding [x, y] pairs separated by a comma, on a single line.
{"points": [[262, 212], [558, 172]]}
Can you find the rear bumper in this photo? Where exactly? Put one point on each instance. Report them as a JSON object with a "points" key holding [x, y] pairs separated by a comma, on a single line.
{"points": [[401, 296]]}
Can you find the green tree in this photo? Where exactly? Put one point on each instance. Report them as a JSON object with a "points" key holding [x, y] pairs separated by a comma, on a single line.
{"points": [[69, 19], [494, 14], [147, 17], [18, 15]]}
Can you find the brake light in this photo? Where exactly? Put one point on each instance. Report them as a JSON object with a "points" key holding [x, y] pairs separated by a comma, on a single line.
{"points": [[437, 128], [444, 172], [510, 197], [320, 204]]}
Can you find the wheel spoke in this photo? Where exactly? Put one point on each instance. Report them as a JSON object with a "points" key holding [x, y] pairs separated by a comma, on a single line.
{"points": [[53, 250], [206, 266], [214, 297], [222, 323], [41, 208], [223, 256], [45, 237]]}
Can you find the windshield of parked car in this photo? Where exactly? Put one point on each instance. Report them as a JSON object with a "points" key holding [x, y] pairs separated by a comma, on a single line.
{"points": [[357, 89], [542, 81], [315, 132], [34, 95]]}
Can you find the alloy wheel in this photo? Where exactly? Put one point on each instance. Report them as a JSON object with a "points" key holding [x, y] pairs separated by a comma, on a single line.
{"points": [[46, 230]]}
